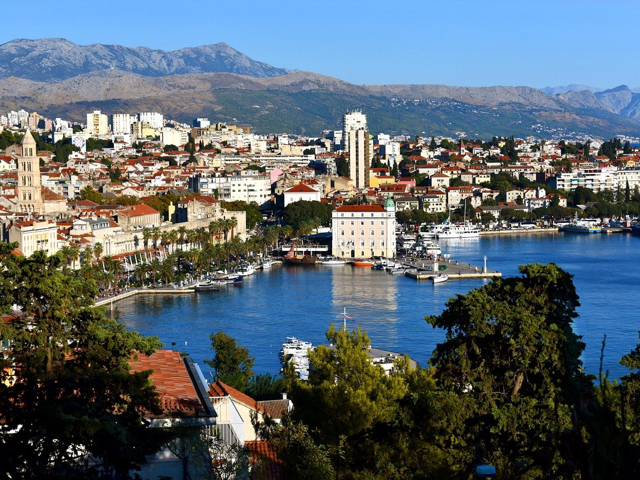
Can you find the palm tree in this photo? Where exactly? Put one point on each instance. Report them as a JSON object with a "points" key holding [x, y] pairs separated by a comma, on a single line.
{"points": [[141, 271], [233, 223], [155, 235], [65, 254], [146, 235], [155, 267], [173, 238], [87, 254], [97, 251], [182, 234], [74, 255]]}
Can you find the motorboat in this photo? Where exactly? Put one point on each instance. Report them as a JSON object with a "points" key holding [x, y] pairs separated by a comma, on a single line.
{"points": [[245, 270], [332, 261], [296, 353], [363, 263], [440, 278], [266, 264], [210, 285]]}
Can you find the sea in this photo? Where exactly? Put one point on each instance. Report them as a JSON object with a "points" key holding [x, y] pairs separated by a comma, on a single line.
{"points": [[301, 302]]}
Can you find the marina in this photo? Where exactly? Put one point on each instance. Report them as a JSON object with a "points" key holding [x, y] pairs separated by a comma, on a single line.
{"points": [[291, 301]]}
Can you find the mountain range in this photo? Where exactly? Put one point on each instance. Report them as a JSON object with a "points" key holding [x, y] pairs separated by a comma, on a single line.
{"points": [[61, 79]]}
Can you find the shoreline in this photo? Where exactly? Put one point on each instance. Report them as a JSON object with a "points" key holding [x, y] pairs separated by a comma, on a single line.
{"points": [[519, 232], [139, 291]]}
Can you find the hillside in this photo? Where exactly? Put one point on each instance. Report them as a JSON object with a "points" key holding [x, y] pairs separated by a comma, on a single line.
{"points": [[60, 79]]}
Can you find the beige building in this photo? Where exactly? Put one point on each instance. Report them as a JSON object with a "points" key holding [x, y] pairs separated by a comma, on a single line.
{"points": [[138, 217], [358, 157], [363, 231], [33, 236], [29, 187], [97, 123]]}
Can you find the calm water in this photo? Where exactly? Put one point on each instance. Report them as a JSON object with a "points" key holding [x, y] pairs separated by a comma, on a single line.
{"points": [[301, 302]]}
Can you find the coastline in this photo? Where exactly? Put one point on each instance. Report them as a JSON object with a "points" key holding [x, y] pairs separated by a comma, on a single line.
{"points": [[138, 291], [519, 232]]}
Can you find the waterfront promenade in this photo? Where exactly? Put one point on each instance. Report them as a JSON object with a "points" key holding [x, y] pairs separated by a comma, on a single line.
{"points": [[132, 292]]}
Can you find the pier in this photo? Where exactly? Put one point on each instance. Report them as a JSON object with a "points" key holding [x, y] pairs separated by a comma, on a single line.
{"points": [[422, 269], [138, 291], [519, 231]]}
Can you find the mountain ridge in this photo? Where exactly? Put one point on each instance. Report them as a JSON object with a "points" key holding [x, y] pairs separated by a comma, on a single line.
{"points": [[273, 99]]}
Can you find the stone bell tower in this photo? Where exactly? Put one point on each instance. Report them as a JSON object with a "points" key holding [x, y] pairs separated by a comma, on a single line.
{"points": [[29, 190]]}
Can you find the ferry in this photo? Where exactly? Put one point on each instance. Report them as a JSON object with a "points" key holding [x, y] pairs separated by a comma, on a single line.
{"points": [[581, 226]]}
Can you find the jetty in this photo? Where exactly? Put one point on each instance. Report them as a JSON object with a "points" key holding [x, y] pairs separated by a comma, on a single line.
{"points": [[144, 291], [518, 231], [422, 269]]}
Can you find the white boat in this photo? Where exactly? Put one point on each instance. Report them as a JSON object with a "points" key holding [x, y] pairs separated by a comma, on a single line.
{"points": [[266, 264], [208, 286], [245, 270], [396, 269], [465, 230], [440, 278], [429, 247], [296, 353], [332, 261]]}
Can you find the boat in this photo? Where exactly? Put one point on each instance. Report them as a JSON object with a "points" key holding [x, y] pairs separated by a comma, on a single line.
{"points": [[580, 226], [245, 270], [295, 259], [296, 353], [429, 248], [332, 261], [207, 286], [465, 230], [266, 264], [635, 229], [396, 269], [363, 263], [440, 278]]}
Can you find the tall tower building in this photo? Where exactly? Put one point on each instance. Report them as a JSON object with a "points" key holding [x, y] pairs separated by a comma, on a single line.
{"points": [[356, 141], [29, 187], [358, 157]]}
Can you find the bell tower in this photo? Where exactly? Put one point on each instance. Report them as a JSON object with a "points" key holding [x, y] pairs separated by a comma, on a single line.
{"points": [[29, 188]]}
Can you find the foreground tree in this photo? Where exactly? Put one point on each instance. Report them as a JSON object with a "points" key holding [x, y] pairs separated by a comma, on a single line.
{"points": [[68, 401], [511, 358], [231, 362]]}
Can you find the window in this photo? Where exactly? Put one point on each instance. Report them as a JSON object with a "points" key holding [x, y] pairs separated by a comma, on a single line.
{"points": [[342, 233], [362, 233], [352, 233], [341, 222], [361, 223], [351, 222], [382, 243], [362, 244], [373, 232], [372, 222]]}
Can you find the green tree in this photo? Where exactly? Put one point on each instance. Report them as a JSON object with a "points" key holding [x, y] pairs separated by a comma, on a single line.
{"points": [[231, 362], [346, 393], [342, 167], [91, 194], [303, 212], [66, 390], [512, 359], [433, 146]]}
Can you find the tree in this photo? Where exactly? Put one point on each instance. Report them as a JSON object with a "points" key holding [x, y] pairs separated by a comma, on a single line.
{"points": [[342, 167], [512, 359], [346, 394], [303, 211], [67, 395], [433, 146], [231, 362], [394, 170], [91, 194]]}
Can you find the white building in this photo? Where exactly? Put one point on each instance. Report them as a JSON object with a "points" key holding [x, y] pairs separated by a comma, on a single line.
{"points": [[248, 188], [358, 157], [171, 136], [301, 192], [363, 231], [154, 119], [121, 123], [97, 123]]}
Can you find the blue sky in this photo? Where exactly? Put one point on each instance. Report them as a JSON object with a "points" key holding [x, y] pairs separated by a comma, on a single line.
{"points": [[454, 42]]}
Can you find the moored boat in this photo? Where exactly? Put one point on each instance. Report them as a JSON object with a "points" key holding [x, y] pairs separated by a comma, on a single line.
{"points": [[332, 261], [440, 278], [363, 263], [295, 259], [209, 285]]}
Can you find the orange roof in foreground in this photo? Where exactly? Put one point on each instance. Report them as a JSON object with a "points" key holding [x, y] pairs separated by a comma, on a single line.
{"points": [[221, 389], [172, 381]]}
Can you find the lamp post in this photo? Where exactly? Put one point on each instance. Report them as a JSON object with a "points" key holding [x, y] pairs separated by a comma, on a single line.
{"points": [[484, 269]]}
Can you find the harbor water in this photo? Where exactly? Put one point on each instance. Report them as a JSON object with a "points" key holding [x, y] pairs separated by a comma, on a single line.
{"points": [[303, 301]]}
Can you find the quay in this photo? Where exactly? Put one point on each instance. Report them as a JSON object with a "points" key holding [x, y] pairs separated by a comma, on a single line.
{"points": [[420, 269], [140, 291], [519, 231]]}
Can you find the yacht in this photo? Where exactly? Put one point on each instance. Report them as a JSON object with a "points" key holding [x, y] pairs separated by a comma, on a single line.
{"points": [[296, 353], [465, 230], [581, 226], [245, 270]]}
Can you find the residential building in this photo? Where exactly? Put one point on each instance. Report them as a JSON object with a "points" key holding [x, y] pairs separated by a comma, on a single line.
{"points": [[97, 123], [139, 216], [362, 231], [33, 236], [121, 123], [154, 119], [358, 157]]}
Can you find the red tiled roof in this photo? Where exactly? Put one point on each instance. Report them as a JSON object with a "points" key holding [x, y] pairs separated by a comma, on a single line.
{"points": [[139, 210], [262, 452], [360, 208], [221, 389], [301, 188], [171, 379]]}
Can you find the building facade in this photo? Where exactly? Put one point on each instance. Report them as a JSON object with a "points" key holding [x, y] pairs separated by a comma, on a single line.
{"points": [[363, 231], [29, 184], [97, 123]]}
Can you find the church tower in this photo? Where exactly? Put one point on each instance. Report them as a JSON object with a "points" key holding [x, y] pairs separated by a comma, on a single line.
{"points": [[29, 188]]}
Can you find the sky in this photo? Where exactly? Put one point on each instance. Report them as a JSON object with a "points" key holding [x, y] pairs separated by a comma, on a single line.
{"points": [[536, 43]]}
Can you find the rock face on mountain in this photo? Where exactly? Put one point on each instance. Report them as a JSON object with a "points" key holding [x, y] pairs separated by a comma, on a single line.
{"points": [[56, 59]]}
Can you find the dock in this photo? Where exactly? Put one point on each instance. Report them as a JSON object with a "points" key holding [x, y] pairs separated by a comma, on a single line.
{"points": [[520, 231], [421, 269], [143, 291]]}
